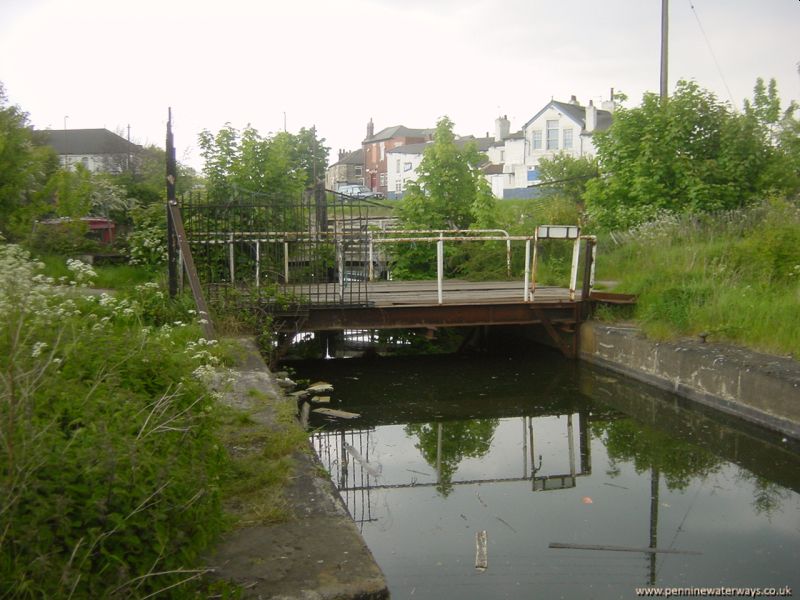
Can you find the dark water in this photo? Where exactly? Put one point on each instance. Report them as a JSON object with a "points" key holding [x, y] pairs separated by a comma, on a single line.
{"points": [[537, 450]]}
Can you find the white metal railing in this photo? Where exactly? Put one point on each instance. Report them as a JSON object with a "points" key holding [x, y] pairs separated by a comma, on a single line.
{"points": [[437, 236]]}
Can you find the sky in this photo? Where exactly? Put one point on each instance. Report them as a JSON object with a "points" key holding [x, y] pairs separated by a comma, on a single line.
{"points": [[334, 64]]}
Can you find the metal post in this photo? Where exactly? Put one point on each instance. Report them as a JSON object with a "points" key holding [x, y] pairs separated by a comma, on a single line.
{"points": [[526, 292], [258, 264], [664, 49], [285, 262], [573, 276], [508, 259], [440, 265], [371, 266], [571, 447], [588, 269], [231, 260], [340, 266], [535, 266], [172, 241]]}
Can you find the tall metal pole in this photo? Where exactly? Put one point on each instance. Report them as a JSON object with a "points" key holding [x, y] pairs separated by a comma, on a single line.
{"points": [[664, 48], [172, 239]]}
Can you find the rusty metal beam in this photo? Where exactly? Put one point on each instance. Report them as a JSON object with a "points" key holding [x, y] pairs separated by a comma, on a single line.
{"points": [[427, 316], [566, 350]]}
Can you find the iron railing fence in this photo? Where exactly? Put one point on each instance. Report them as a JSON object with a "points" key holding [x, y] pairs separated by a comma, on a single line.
{"points": [[311, 250]]}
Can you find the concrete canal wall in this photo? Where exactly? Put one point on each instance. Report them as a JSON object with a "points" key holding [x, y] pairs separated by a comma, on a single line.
{"points": [[758, 387]]}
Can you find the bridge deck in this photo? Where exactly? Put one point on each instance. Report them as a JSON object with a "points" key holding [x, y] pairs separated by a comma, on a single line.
{"points": [[414, 304]]}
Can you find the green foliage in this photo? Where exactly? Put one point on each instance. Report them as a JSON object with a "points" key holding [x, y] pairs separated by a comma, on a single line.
{"points": [[679, 462], [450, 192], [65, 238], [734, 275], [109, 464], [147, 243], [565, 177], [278, 167], [688, 154], [457, 439], [24, 167]]}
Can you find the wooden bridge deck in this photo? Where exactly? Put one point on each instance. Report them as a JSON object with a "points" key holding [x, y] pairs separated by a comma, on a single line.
{"points": [[414, 304]]}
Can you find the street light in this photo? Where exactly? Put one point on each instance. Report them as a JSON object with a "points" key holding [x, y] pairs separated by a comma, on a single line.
{"points": [[66, 143]]}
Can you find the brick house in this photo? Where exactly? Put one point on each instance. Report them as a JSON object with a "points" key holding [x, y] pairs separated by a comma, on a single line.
{"points": [[95, 149], [349, 169], [376, 145]]}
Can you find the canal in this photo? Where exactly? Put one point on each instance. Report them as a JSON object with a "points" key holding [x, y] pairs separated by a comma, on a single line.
{"points": [[586, 484]]}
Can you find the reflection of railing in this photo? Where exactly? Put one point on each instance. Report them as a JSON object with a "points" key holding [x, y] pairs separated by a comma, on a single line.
{"points": [[348, 475], [356, 478]]}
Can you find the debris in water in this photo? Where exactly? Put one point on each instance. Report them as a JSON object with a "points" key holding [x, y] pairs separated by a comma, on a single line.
{"points": [[418, 472], [340, 414], [320, 387], [373, 470], [481, 500], [504, 522], [321, 399], [622, 487], [481, 551], [587, 500], [620, 548]]}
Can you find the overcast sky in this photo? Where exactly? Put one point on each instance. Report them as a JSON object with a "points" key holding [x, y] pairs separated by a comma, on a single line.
{"points": [[337, 63]]}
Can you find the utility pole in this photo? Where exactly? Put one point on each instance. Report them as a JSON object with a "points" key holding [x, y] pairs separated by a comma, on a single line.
{"points": [[664, 48]]}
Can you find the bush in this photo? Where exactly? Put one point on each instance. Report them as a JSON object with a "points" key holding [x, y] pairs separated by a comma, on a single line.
{"points": [[109, 463]]}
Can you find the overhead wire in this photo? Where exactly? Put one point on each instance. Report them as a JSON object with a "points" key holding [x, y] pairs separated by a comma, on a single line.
{"points": [[713, 55]]}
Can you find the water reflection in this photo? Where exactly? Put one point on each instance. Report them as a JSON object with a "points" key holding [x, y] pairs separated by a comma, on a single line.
{"points": [[448, 447]]}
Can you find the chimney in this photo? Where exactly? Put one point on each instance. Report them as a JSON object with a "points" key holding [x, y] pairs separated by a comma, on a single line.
{"points": [[591, 117], [370, 129], [609, 104], [341, 154], [574, 100], [501, 128]]}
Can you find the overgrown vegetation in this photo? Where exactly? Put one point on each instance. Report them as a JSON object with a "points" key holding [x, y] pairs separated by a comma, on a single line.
{"points": [[109, 461], [734, 275]]}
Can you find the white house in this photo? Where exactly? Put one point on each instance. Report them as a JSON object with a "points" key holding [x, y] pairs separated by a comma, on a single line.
{"points": [[558, 127], [95, 149]]}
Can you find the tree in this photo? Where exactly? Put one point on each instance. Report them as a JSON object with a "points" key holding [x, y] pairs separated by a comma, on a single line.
{"points": [[451, 191], [24, 166], [565, 177], [689, 154], [279, 167]]}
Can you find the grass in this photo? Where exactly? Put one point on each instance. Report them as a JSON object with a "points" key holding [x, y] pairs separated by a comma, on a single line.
{"points": [[734, 276], [261, 460], [118, 277]]}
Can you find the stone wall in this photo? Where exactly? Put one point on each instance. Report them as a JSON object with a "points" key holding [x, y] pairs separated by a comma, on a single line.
{"points": [[761, 388]]}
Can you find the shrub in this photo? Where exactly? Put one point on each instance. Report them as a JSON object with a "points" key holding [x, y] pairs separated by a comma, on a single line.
{"points": [[108, 457]]}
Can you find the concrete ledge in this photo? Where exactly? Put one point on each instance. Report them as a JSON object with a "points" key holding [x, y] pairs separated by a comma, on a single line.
{"points": [[757, 387], [319, 553]]}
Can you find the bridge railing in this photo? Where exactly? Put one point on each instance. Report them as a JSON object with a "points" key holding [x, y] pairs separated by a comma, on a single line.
{"points": [[568, 233]]}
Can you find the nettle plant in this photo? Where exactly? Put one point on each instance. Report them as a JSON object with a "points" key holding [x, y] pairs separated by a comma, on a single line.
{"points": [[109, 464]]}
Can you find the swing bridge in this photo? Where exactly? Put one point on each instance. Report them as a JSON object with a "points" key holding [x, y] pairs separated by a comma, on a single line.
{"points": [[323, 263]]}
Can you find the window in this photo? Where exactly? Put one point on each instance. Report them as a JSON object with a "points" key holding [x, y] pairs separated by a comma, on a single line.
{"points": [[383, 179], [397, 166], [358, 170], [567, 139], [398, 187], [536, 139], [502, 155], [552, 135], [407, 166], [382, 150]]}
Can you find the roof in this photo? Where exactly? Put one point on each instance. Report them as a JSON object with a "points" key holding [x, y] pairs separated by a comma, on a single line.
{"points": [[87, 141], [493, 169], [397, 131], [418, 148], [575, 112], [517, 135], [356, 157]]}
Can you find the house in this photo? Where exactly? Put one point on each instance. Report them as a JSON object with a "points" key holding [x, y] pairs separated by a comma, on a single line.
{"points": [[558, 127], [95, 149], [403, 162], [349, 169], [376, 146]]}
